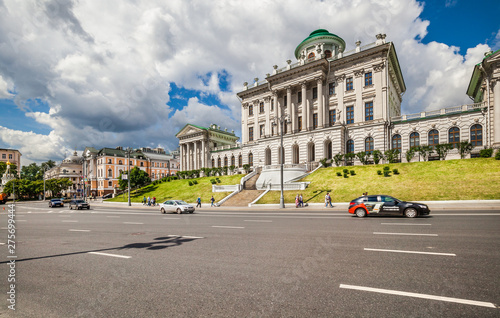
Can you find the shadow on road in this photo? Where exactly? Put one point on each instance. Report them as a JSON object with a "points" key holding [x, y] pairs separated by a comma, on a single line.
{"points": [[159, 243]]}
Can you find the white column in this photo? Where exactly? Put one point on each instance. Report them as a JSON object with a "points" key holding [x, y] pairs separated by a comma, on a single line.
{"points": [[305, 107], [496, 114], [276, 107], [195, 157], [321, 106], [244, 122], [294, 118], [203, 153], [289, 107], [189, 146], [267, 111], [182, 157]]}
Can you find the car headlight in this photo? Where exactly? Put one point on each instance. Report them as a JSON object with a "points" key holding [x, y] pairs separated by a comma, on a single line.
{"points": [[422, 206]]}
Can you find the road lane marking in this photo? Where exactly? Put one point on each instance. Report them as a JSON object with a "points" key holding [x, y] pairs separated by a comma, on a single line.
{"points": [[107, 254], [2, 243], [409, 252], [417, 234], [132, 223], [72, 230], [64, 216], [266, 221], [112, 216], [403, 224], [69, 221], [171, 218], [49, 211], [417, 295], [228, 227]]}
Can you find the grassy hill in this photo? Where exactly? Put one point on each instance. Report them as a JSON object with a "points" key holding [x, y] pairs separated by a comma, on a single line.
{"points": [[467, 179], [180, 190]]}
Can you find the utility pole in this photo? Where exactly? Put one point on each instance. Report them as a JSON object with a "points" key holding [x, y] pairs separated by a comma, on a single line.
{"points": [[128, 174], [282, 120]]}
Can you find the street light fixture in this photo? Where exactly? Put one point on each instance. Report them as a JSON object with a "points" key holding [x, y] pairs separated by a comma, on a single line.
{"points": [[128, 174], [281, 121]]}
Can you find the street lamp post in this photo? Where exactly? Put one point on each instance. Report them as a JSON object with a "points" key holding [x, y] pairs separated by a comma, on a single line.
{"points": [[281, 121], [128, 174]]}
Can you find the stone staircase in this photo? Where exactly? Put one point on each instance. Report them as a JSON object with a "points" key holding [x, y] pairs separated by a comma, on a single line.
{"points": [[247, 195]]}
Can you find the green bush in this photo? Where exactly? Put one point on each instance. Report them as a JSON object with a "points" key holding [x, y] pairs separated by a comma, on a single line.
{"points": [[379, 172], [352, 173], [339, 174], [395, 171], [387, 173], [497, 156], [212, 181], [346, 175], [190, 183], [486, 153], [345, 171], [195, 182], [386, 168]]}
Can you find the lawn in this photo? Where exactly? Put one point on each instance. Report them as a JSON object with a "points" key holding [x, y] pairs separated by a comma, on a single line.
{"points": [[180, 190], [466, 179]]}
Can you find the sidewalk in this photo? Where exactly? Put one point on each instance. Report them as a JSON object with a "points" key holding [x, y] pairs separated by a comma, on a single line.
{"points": [[337, 206]]}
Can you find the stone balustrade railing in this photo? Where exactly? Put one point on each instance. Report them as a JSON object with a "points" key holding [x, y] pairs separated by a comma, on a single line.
{"points": [[439, 112]]}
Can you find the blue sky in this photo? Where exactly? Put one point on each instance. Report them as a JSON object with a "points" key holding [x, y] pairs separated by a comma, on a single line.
{"points": [[106, 74]]}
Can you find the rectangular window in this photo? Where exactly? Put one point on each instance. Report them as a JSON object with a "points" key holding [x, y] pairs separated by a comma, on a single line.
{"points": [[272, 130], [272, 104], [332, 117], [250, 133], [250, 110], [261, 108], [261, 130], [368, 79], [10, 156], [331, 88], [368, 111], [299, 124], [315, 121], [349, 86], [350, 114], [315, 92], [4, 156], [299, 97], [285, 101]]}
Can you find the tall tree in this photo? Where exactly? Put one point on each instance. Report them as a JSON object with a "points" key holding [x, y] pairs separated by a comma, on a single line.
{"points": [[138, 178]]}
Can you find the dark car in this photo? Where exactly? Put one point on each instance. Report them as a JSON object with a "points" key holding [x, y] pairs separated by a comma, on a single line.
{"points": [[78, 204], [386, 205], [56, 202]]}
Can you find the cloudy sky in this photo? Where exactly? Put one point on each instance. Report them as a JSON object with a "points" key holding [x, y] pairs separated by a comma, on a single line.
{"points": [[77, 73]]}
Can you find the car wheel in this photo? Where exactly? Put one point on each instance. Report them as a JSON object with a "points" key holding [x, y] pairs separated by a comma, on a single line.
{"points": [[88, 208], [410, 213], [179, 211], [162, 210], [70, 207], [360, 213]]}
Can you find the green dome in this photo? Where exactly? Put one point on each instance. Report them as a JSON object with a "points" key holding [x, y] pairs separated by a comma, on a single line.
{"points": [[320, 35]]}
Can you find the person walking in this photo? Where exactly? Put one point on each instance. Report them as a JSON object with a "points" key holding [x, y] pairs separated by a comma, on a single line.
{"points": [[328, 200], [144, 200], [212, 200], [153, 202], [301, 201], [297, 201], [149, 201], [198, 202]]}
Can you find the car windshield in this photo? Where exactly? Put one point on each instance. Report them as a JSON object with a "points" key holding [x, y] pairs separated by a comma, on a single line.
{"points": [[54, 200], [80, 201], [179, 202]]}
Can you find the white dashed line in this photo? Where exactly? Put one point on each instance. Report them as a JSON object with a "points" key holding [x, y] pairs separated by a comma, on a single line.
{"points": [[403, 224], [228, 227], [113, 255], [2, 243], [64, 216], [69, 221], [112, 216], [132, 223], [171, 218], [262, 221], [416, 234], [424, 296], [409, 252], [72, 230]]}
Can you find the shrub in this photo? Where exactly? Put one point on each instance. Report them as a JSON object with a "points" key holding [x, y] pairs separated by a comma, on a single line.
{"points": [[379, 172], [377, 156], [387, 173], [195, 182], [486, 153], [339, 174], [345, 171], [346, 175], [410, 153], [392, 155], [497, 156], [190, 183], [395, 171], [386, 168], [324, 162], [338, 159], [212, 181], [352, 173], [363, 157], [464, 148], [218, 180]]}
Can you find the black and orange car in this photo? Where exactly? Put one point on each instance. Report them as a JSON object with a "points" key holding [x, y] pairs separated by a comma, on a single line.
{"points": [[386, 205]]}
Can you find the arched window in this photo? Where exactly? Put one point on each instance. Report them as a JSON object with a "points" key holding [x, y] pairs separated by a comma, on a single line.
{"points": [[232, 160], [454, 136], [433, 137], [396, 142], [120, 162], [328, 149], [350, 146], [267, 156], [213, 163], [328, 54], [311, 152], [240, 161], [476, 135], [218, 162], [311, 55], [225, 161], [110, 173], [295, 154], [369, 145], [250, 159], [414, 139]]}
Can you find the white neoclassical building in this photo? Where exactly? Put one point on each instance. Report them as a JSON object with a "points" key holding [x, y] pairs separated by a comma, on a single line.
{"points": [[335, 101]]}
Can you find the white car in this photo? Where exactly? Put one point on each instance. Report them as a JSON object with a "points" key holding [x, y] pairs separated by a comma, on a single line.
{"points": [[178, 206]]}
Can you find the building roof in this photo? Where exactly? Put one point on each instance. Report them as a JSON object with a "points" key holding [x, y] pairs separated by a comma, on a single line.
{"points": [[213, 127], [473, 90], [320, 34]]}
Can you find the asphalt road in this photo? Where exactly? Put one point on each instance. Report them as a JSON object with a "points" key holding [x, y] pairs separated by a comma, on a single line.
{"points": [[116, 262]]}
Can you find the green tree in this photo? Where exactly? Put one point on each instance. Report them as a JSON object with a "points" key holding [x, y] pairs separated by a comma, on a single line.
{"points": [[424, 151], [377, 156], [410, 153], [138, 178], [31, 172], [464, 148], [338, 159], [442, 150], [392, 155], [55, 186], [349, 158], [3, 168], [363, 157]]}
